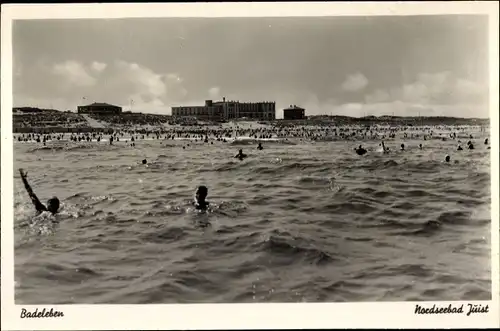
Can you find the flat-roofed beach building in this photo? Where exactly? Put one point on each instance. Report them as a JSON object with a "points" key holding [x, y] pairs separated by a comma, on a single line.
{"points": [[227, 110], [99, 108], [294, 113]]}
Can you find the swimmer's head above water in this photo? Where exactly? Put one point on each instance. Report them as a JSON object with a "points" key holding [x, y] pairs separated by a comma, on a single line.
{"points": [[200, 197], [240, 155], [201, 193], [360, 150], [53, 205]]}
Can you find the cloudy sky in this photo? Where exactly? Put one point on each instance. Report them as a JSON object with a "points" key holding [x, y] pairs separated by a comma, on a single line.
{"points": [[351, 66]]}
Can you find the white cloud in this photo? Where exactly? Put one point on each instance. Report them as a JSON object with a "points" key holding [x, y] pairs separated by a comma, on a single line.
{"points": [[98, 66], [74, 73], [399, 108], [355, 82], [378, 96], [470, 91], [140, 102], [134, 78], [118, 82], [431, 95], [214, 93], [155, 91], [434, 94]]}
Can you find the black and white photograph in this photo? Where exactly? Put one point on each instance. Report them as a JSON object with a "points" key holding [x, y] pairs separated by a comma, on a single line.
{"points": [[271, 159]]}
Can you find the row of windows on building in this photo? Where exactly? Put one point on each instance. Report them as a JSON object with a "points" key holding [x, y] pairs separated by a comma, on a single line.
{"points": [[201, 113], [228, 110]]}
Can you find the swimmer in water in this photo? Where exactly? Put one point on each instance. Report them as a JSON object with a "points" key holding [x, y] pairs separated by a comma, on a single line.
{"points": [[447, 158], [360, 150], [459, 148], [420, 146], [52, 204], [199, 198], [384, 149], [260, 147], [240, 155]]}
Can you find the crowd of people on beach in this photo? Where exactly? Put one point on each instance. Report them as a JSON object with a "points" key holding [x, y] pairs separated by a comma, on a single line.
{"points": [[220, 133], [131, 119], [45, 119]]}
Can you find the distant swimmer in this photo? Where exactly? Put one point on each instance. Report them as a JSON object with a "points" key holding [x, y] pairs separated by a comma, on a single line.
{"points": [[402, 147], [470, 145], [384, 149], [486, 141], [447, 158], [260, 147], [52, 204], [459, 148], [420, 146], [240, 155], [199, 198], [360, 150], [144, 161]]}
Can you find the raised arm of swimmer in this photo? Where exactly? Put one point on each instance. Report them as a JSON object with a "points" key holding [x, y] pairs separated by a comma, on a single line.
{"points": [[38, 205], [53, 204], [385, 150]]}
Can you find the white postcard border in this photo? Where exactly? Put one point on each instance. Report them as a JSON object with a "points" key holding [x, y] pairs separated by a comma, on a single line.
{"points": [[236, 316]]}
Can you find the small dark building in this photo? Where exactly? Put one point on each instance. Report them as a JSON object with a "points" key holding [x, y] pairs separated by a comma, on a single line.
{"points": [[294, 113], [99, 108]]}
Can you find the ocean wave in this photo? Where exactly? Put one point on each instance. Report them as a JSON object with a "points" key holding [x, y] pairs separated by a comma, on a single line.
{"points": [[290, 249]]}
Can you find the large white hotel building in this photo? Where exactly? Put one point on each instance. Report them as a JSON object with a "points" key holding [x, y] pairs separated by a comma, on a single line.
{"points": [[227, 110]]}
